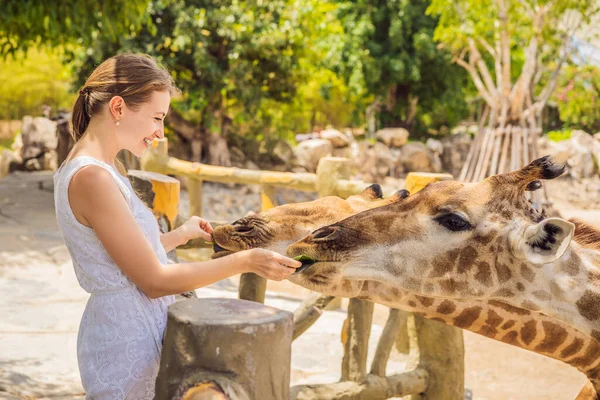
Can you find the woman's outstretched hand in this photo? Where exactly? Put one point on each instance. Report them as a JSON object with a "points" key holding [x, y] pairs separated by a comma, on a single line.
{"points": [[269, 264], [194, 228]]}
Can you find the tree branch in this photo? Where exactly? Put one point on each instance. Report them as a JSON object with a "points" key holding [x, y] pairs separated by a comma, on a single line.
{"points": [[475, 58], [476, 80]]}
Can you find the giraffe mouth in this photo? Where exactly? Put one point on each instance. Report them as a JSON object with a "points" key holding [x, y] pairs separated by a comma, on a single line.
{"points": [[219, 251]]}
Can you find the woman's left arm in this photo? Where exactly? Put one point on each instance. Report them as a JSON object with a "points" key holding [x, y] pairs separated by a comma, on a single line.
{"points": [[193, 228]]}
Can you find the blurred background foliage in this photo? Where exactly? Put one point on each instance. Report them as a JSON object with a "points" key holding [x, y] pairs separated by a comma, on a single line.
{"points": [[267, 70]]}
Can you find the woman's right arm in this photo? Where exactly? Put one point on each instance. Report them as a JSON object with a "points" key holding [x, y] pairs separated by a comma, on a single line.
{"points": [[98, 203]]}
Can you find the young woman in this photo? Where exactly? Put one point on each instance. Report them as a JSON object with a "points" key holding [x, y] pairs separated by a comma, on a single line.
{"points": [[118, 252]]}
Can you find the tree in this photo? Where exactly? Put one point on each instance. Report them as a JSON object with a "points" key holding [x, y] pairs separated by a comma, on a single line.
{"points": [[31, 23], [513, 51], [387, 54], [226, 56], [578, 97]]}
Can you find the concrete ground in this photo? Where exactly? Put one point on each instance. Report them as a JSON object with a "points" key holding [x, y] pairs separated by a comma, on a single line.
{"points": [[41, 305]]}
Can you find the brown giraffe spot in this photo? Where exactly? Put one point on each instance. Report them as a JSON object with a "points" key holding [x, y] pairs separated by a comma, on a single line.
{"points": [[467, 257], [412, 284], [466, 318], [500, 249], [508, 324], [528, 332], [428, 288], [447, 307], [484, 273], [542, 295], [452, 256], [527, 273], [504, 273], [589, 305], [503, 293], [594, 278], [573, 348], [592, 352], [440, 267], [395, 292], [570, 268], [509, 308], [596, 335], [491, 324], [425, 301], [451, 286], [412, 304], [555, 335], [520, 287], [484, 239], [530, 305], [511, 338]]}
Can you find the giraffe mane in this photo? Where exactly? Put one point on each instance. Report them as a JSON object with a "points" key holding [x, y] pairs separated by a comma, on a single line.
{"points": [[586, 235]]}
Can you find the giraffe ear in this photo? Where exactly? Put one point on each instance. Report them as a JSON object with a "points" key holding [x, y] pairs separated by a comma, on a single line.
{"points": [[546, 241]]}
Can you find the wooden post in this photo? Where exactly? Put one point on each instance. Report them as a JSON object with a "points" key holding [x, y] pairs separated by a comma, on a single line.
{"points": [[442, 355], [416, 181], [396, 320], [355, 337], [252, 286], [242, 346], [159, 192], [194, 187]]}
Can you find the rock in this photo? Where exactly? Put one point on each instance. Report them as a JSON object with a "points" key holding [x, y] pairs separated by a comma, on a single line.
{"points": [[38, 135], [392, 137], [436, 148], [415, 157], [337, 138], [7, 162], [374, 162], [284, 153], [456, 148], [311, 151]]}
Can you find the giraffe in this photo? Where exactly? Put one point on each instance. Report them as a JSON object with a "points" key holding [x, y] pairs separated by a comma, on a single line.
{"points": [[276, 228], [466, 247]]}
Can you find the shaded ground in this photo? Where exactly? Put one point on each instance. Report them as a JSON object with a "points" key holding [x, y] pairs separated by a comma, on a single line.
{"points": [[41, 306]]}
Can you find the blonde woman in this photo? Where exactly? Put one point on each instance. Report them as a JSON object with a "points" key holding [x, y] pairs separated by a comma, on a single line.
{"points": [[118, 252]]}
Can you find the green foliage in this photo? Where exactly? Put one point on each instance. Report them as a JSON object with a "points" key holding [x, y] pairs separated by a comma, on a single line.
{"points": [[558, 136], [30, 23], [578, 97], [388, 52], [226, 56], [31, 80]]}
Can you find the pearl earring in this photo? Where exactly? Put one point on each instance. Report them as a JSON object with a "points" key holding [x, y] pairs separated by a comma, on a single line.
{"points": [[117, 123]]}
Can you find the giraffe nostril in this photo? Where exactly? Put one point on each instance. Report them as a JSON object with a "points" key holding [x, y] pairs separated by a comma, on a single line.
{"points": [[244, 229], [322, 233]]}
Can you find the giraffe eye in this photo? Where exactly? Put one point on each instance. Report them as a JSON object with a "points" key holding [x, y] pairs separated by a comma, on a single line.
{"points": [[454, 222]]}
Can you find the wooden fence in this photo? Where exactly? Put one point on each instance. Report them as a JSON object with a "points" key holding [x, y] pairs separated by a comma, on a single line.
{"points": [[439, 374]]}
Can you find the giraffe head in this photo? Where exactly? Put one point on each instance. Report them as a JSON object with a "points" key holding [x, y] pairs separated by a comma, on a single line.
{"points": [[452, 239], [277, 228]]}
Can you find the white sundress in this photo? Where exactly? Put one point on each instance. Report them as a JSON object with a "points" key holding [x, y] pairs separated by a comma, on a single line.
{"points": [[120, 335]]}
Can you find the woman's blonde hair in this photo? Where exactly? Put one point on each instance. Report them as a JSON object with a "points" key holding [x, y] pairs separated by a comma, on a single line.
{"points": [[132, 76]]}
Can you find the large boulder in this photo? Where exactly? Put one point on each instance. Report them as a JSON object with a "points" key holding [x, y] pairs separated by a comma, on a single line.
{"points": [[375, 162], [416, 157], [39, 136], [456, 149], [309, 152], [392, 137], [337, 138]]}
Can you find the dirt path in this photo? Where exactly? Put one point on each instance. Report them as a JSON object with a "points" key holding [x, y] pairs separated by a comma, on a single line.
{"points": [[41, 306]]}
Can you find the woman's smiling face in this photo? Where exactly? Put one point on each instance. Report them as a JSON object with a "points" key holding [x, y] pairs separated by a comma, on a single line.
{"points": [[144, 124]]}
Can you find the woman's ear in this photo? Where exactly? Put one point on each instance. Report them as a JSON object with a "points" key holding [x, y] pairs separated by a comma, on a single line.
{"points": [[116, 107]]}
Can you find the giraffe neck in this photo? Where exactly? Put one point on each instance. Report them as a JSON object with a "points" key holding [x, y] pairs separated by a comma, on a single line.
{"points": [[519, 327], [567, 290]]}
